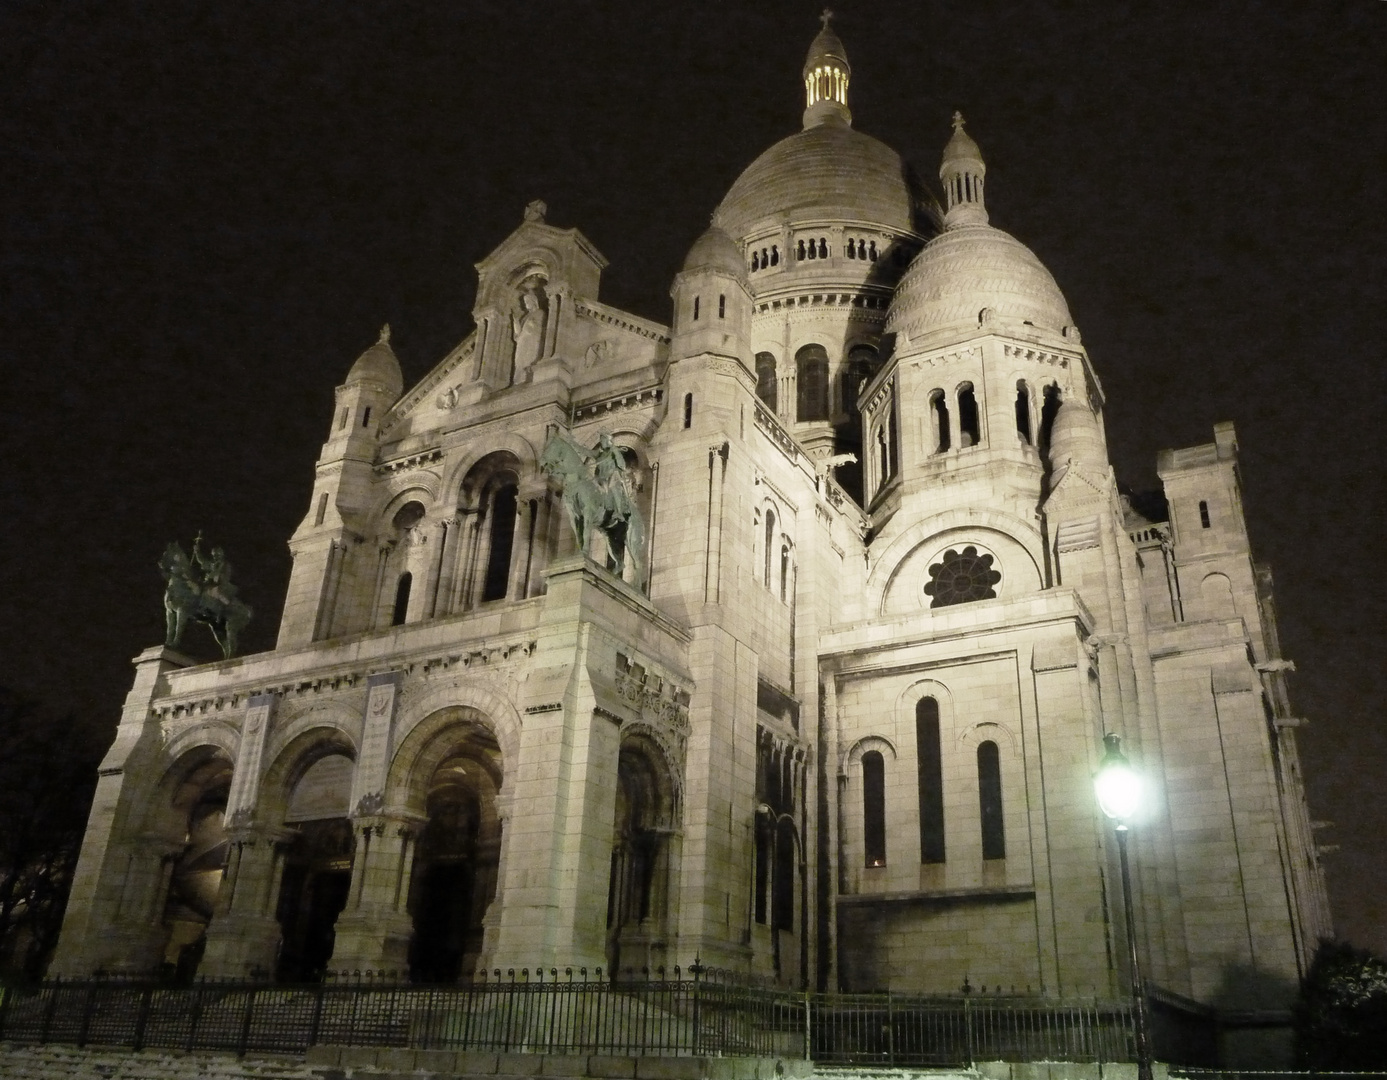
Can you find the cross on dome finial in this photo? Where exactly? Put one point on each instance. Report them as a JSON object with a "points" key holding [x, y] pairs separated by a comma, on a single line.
{"points": [[826, 17], [958, 120], [384, 335]]}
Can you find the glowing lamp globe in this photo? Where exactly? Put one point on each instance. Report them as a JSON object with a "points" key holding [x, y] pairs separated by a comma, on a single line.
{"points": [[1119, 787]]}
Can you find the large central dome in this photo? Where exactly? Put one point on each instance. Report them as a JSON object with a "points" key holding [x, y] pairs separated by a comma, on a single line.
{"points": [[827, 172]]}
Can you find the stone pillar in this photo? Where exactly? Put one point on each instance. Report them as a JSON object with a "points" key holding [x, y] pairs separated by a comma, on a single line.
{"points": [[375, 929], [115, 859], [448, 559], [244, 936]]}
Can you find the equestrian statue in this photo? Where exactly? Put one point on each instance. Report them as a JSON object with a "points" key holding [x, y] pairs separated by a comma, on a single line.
{"points": [[199, 588], [598, 493]]}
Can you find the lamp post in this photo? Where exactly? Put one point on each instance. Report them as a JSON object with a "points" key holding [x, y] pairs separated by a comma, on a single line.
{"points": [[765, 810], [1120, 791]]}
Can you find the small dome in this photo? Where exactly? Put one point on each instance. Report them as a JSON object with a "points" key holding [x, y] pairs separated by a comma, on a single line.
{"points": [[825, 49], [827, 172], [715, 250], [378, 364], [970, 269], [961, 146], [1075, 436]]}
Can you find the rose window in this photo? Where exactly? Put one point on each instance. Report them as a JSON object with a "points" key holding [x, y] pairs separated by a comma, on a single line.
{"points": [[961, 577]]}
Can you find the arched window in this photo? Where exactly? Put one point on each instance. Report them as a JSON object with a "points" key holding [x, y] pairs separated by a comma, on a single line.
{"points": [[969, 432], [765, 379], [852, 249], [1049, 407], [994, 843], [931, 780], [784, 573], [770, 544], [346, 414], [874, 807], [775, 255], [860, 368], [1023, 410], [939, 411], [801, 249], [811, 370], [366, 417], [813, 249], [755, 261], [872, 251], [688, 410], [401, 609], [503, 508], [823, 248]]}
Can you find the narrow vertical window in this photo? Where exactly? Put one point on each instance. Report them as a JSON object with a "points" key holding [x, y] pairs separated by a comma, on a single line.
{"points": [[784, 574], [1023, 410], [696, 308], [322, 509], [969, 431], [342, 422], [765, 379], [823, 248], [770, 545], [931, 780], [852, 248], [366, 417], [994, 843], [874, 807], [940, 410], [1048, 409], [401, 609], [783, 887], [1204, 514], [755, 262], [503, 510], [722, 307], [763, 870], [811, 372], [688, 410], [801, 249], [775, 255]]}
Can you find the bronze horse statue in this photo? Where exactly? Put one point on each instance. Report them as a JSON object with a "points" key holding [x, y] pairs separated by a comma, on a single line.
{"points": [[199, 588], [597, 495]]}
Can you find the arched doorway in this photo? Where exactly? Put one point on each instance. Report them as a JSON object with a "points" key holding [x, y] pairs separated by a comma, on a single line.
{"points": [[455, 864], [638, 888], [317, 866], [199, 803]]}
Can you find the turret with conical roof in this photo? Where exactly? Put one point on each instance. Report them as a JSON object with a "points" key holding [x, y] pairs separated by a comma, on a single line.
{"points": [[962, 172]]}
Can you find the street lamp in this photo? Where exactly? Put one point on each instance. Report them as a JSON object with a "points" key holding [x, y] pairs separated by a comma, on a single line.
{"points": [[1120, 790], [765, 810]]}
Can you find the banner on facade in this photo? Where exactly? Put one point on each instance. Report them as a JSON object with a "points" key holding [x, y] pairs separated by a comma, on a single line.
{"points": [[377, 743], [245, 780]]}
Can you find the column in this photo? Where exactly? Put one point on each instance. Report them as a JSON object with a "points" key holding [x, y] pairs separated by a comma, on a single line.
{"points": [[443, 595], [373, 932], [244, 935]]}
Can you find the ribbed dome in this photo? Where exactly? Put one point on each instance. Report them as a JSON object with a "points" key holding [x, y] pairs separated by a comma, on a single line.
{"points": [[826, 172], [715, 250], [967, 269], [379, 364]]}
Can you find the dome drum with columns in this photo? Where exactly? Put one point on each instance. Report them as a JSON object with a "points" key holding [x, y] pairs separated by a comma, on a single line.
{"points": [[886, 598]]}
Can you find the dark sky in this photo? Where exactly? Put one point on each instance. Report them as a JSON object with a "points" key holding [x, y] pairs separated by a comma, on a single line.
{"points": [[208, 209]]}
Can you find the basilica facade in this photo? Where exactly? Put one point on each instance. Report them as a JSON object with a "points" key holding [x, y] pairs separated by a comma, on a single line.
{"points": [[833, 722]]}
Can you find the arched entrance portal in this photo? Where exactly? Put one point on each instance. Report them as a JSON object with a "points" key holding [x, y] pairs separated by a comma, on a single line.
{"points": [[199, 802], [638, 890], [317, 867], [455, 865]]}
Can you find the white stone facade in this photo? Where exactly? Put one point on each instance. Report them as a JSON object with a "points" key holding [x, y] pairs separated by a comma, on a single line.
{"points": [[838, 724]]}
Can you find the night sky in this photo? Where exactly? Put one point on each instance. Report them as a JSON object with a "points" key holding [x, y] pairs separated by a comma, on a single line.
{"points": [[207, 210]]}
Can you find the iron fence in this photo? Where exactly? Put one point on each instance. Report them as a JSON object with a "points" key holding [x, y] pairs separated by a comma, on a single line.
{"points": [[567, 1012]]}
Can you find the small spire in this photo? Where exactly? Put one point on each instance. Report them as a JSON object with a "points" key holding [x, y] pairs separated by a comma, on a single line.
{"points": [[826, 17], [536, 210], [962, 172], [384, 335]]}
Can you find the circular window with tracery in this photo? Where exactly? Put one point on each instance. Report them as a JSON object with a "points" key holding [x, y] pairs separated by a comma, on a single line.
{"points": [[960, 577]]}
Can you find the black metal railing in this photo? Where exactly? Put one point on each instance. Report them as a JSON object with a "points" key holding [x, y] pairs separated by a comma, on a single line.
{"points": [[567, 1011]]}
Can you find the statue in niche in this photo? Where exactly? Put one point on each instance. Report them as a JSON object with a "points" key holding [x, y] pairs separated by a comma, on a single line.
{"points": [[527, 327], [200, 588], [598, 494]]}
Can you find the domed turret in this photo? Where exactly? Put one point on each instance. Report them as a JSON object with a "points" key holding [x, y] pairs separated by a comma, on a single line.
{"points": [[1075, 438], [715, 250], [973, 272], [826, 75], [378, 364]]}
